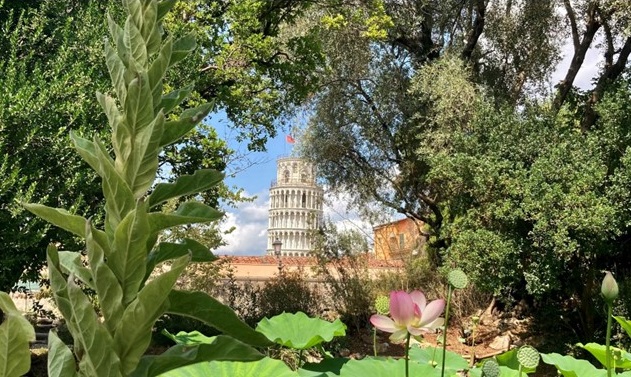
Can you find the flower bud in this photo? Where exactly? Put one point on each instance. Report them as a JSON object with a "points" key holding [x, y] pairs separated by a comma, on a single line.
{"points": [[609, 288]]}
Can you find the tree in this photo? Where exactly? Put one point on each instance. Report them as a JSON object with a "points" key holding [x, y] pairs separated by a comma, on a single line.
{"points": [[446, 118], [52, 68]]}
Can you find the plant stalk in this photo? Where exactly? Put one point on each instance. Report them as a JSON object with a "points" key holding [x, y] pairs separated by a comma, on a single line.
{"points": [[608, 339], [374, 340], [442, 369], [407, 353]]}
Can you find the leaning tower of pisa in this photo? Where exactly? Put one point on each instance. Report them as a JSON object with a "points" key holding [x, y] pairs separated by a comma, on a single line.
{"points": [[295, 207]]}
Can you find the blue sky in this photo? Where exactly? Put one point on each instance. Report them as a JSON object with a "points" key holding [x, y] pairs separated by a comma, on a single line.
{"points": [[255, 171]]}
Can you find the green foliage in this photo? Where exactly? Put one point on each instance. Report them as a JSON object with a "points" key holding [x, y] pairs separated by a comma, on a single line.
{"points": [[122, 256], [571, 367], [298, 331], [343, 264], [433, 356], [265, 367], [288, 292], [15, 334]]}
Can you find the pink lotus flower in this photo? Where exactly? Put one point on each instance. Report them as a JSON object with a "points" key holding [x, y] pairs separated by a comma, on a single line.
{"points": [[410, 314]]}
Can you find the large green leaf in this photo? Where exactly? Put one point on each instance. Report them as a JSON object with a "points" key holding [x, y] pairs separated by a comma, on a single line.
{"points": [[59, 217], [135, 43], [181, 48], [185, 185], [599, 352], [187, 213], [61, 362], [189, 338], [571, 367], [385, 367], [97, 357], [149, 164], [70, 262], [119, 200], [116, 69], [107, 286], [298, 331], [624, 323], [167, 251], [133, 334], [434, 356], [204, 308], [164, 6], [15, 334], [266, 367], [328, 367], [130, 242], [156, 73], [171, 100], [175, 129], [223, 348]]}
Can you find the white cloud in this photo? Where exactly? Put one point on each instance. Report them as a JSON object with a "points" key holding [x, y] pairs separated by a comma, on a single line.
{"points": [[250, 222]]}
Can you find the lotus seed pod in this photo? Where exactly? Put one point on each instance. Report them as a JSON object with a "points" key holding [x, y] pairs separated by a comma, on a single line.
{"points": [[490, 368], [528, 357], [609, 288], [457, 278], [382, 304]]}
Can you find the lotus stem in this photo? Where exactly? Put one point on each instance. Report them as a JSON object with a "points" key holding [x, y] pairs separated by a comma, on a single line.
{"points": [[374, 340], [407, 353], [608, 339], [442, 369]]}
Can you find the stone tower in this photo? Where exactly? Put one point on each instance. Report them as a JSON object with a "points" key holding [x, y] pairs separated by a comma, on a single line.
{"points": [[295, 207]]}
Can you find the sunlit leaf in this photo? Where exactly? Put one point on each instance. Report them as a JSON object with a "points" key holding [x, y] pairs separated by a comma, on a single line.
{"points": [[298, 331], [185, 185], [15, 334], [200, 306], [222, 348]]}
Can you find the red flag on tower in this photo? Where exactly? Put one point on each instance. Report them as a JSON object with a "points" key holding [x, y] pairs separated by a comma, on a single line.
{"points": [[290, 139]]}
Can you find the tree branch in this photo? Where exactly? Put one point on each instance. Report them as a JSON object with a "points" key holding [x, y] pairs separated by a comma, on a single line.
{"points": [[565, 85], [476, 30], [611, 73], [572, 16]]}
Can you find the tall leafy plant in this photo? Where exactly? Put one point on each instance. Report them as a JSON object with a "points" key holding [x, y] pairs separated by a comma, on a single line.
{"points": [[122, 256]]}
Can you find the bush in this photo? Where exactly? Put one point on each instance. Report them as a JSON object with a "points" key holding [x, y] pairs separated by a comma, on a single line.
{"points": [[289, 292]]}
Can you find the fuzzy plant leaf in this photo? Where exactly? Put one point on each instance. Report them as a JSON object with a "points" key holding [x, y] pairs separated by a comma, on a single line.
{"points": [[457, 278], [169, 102], [385, 367], [200, 306], [61, 362], [299, 331], [434, 356], [15, 334], [59, 217], [167, 251], [599, 352], [567, 366], [175, 129], [223, 348], [187, 213], [201, 180], [70, 263], [133, 335], [107, 286]]}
